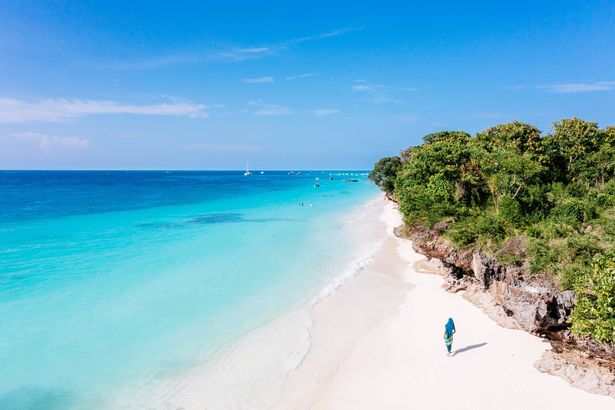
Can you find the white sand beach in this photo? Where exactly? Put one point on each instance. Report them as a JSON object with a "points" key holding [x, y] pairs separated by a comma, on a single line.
{"points": [[377, 343]]}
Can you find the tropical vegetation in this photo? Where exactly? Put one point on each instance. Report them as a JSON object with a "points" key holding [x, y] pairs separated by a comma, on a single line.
{"points": [[554, 193]]}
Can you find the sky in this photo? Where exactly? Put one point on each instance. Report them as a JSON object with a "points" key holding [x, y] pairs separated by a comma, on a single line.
{"points": [[287, 85]]}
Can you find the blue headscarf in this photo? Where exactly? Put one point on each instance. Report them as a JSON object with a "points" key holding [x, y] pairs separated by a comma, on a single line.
{"points": [[449, 327]]}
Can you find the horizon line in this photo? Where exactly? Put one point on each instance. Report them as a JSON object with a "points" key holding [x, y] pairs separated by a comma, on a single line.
{"points": [[177, 170]]}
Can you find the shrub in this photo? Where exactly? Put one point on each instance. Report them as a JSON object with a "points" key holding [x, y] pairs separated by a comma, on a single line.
{"points": [[510, 210], [485, 229], [574, 211], [594, 313]]}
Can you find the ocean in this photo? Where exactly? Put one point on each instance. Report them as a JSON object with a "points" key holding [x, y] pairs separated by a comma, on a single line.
{"points": [[115, 285]]}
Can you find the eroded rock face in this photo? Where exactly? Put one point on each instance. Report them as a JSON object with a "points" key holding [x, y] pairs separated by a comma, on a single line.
{"points": [[535, 304], [591, 378], [478, 268], [530, 302]]}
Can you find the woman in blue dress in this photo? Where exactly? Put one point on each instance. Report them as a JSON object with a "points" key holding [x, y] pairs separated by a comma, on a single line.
{"points": [[449, 330]]}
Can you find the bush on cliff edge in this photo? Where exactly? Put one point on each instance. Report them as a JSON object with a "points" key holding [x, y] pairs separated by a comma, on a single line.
{"points": [[594, 314]]}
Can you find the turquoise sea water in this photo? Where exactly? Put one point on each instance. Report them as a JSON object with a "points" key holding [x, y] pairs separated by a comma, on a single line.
{"points": [[110, 279]]}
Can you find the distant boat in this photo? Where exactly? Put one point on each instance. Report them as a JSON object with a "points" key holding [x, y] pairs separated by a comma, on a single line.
{"points": [[247, 173], [262, 172]]}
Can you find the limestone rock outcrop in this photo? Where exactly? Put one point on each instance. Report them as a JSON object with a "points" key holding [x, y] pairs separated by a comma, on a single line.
{"points": [[536, 304]]}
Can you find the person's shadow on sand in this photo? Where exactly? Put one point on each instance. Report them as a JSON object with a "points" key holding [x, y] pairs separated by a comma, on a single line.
{"points": [[465, 349]]}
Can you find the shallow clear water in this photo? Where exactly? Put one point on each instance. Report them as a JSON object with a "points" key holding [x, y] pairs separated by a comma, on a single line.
{"points": [[110, 279]]}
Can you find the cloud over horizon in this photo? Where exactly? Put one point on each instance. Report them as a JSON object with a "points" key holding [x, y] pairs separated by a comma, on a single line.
{"points": [[224, 147], [294, 77], [270, 109], [324, 112], [566, 88], [231, 54], [46, 141], [64, 109], [572, 88], [380, 93], [257, 80]]}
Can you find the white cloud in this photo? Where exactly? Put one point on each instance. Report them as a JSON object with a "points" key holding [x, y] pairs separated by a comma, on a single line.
{"points": [[64, 109], [253, 50], [154, 62], [270, 109], [223, 147], [380, 94], [249, 53], [333, 33], [226, 53], [46, 141], [294, 77], [570, 88], [273, 109], [258, 80], [365, 87], [566, 88], [324, 111], [239, 54]]}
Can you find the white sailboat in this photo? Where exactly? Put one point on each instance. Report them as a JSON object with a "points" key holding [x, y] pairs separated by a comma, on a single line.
{"points": [[247, 173]]}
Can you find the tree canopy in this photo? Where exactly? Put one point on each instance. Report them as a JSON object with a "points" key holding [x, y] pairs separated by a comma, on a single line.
{"points": [[556, 190], [385, 172]]}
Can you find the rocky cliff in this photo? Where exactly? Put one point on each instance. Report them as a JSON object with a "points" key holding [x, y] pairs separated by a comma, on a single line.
{"points": [[533, 302]]}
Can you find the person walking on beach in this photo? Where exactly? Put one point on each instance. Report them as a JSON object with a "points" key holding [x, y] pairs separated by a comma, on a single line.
{"points": [[449, 330]]}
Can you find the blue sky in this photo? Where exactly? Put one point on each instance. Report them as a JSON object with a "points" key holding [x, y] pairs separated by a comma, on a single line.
{"points": [[287, 85]]}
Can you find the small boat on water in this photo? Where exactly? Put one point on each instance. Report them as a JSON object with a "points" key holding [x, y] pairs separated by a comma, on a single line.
{"points": [[247, 173], [351, 180]]}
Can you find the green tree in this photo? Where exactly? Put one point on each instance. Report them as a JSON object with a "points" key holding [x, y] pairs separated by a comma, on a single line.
{"points": [[427, 186], [598, 167], [384, 173], [447, 136], [555, 194], [594, 164], [507, 173], [594, 313], [516, 136], [573, 139]]}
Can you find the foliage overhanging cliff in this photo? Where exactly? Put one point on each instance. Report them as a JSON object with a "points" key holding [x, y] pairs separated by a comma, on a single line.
{"points": [[554, 193]]}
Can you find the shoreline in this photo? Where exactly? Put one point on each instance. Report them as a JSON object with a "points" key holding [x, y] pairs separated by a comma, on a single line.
{"points": [[374, 345], [249, 372]]}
